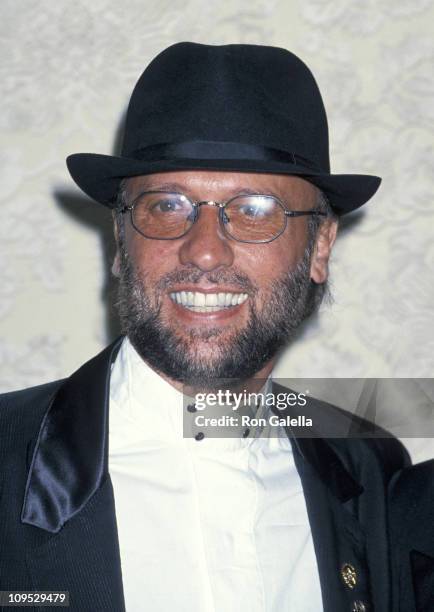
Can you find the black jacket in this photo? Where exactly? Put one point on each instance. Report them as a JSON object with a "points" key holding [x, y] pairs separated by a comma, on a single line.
{"points": [[57, 518], [412, 538]]}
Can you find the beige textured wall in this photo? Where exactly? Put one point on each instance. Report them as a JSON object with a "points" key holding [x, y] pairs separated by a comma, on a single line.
{"points": [[66, 73]]}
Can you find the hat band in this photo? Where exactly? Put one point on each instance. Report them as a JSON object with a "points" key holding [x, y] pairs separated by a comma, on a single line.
{"points": [[198, 149]]}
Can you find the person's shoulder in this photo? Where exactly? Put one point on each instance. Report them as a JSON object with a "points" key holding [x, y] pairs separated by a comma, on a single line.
{"points": [[412, 492], [373, 444], [411, 504], [22, 411], [411, 534], [19, 399], [356, 440]]}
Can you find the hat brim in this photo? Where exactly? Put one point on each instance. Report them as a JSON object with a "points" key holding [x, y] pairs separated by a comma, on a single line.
{"points": [[99, 176]]}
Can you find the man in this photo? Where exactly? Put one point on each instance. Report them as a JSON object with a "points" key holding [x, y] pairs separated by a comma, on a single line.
{"points": [[225, 216]]}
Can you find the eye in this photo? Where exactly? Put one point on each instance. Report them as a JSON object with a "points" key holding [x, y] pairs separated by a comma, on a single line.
{"points": [[254, 210], [249, 210], [166, 206]]}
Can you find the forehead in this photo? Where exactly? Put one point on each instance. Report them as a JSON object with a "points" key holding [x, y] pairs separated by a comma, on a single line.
{"points": [[213, 184]]}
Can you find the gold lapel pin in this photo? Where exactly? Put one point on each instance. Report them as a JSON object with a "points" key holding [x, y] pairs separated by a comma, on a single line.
{"points": [[349, 575]]}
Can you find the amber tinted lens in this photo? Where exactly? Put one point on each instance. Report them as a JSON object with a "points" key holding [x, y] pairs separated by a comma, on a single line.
{"points": [[254, 218], [163, 215]]}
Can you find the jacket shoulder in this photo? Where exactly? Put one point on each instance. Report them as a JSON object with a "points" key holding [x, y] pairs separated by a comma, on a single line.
{"points": [[21, 413], [13, 401], [361, 444], [411, 493], [387, 454], [372, 446], [411, 533]]}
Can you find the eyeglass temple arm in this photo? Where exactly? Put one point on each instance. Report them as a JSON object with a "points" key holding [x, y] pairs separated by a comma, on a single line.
{"points": [[302, 213], [126, 208]]}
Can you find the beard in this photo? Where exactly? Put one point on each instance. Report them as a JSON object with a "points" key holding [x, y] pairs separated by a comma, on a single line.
{"points": [[289, 301]]}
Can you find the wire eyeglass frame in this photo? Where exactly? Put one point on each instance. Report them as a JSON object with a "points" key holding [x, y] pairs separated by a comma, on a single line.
{"points": [[222, 215]]}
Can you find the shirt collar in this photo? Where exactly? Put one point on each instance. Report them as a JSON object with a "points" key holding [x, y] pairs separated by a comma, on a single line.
{"points": [[144, 406]]}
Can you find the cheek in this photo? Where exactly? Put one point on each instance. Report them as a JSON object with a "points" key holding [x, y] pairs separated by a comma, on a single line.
{"points": [[152, 257], [267, 262]]}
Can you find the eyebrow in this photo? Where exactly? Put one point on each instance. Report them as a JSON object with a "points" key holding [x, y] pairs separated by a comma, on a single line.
{"points": [[163, 187], [176, 187]]}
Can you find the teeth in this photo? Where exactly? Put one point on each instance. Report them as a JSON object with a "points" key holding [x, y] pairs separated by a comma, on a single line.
{"points": [[211, 299], [204, 308], [207, 302], [199, 299]]}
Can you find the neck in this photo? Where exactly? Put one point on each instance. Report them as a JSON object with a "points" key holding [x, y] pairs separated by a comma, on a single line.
{"points": [[252, 384]]}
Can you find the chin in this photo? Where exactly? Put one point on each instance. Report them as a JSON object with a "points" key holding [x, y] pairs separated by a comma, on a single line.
{"points": [[206, 341]]}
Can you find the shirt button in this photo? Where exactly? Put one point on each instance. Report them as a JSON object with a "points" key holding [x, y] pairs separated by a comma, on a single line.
{"points": [[199, 436], [191, 408], [358, 606]]}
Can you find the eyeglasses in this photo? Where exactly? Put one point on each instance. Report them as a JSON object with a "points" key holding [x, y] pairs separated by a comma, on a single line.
{"points": [[162, 215]]}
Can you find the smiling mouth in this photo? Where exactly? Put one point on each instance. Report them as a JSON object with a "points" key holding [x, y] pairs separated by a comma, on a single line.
{"points": [[197, 301]]}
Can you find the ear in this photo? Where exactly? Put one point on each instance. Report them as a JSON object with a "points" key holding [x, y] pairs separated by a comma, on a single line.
{"points": [[116, 266], [325, 239]]}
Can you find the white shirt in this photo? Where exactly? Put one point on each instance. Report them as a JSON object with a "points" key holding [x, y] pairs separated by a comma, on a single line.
{"points": [[204, 526]]}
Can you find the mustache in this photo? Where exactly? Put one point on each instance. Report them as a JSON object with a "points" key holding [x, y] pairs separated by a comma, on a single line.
{"points": [[217, 277]]}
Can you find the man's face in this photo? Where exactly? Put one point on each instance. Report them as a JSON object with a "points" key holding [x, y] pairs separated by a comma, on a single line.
{"points": [[271, 281]]}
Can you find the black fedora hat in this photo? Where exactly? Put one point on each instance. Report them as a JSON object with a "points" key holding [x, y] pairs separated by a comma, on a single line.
{"points": [[247, 108]]}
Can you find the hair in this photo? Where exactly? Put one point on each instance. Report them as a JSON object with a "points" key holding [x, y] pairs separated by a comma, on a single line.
{"points": [[120, 201]]}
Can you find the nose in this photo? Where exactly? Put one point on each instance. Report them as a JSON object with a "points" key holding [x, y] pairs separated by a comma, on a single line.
{"points": [[205, 245]]}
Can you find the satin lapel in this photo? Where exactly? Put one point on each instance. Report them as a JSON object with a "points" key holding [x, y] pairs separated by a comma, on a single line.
{"points": [[70, 457], [83, 558]]}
